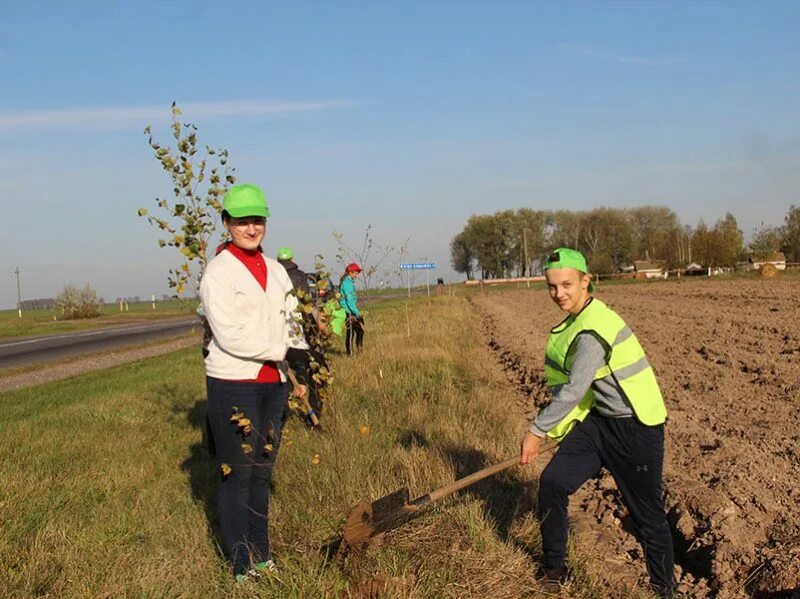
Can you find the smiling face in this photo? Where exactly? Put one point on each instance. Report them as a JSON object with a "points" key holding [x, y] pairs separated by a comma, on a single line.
{"points": [[247, 232], [569, 288]]}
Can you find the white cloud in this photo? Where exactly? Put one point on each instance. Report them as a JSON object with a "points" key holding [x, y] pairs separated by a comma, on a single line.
{"points": [[125, 116]]}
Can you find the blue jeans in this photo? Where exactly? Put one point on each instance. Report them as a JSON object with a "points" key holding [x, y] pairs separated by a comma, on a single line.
{"points": [[243, 498]]}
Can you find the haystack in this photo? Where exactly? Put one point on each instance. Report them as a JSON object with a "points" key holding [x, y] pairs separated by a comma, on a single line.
{"points": [[768, 270]]}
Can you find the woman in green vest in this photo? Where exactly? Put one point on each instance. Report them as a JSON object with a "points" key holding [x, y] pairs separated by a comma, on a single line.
{"points": [[606, 411]]}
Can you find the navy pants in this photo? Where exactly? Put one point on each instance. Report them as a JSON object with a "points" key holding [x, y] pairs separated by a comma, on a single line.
{"points": [[354, 333], [243, 499], [633, 453]]}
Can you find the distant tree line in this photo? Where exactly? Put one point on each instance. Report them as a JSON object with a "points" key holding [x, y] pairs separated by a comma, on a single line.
{"points": [[515, 242], [45, 303], [786, 238]]}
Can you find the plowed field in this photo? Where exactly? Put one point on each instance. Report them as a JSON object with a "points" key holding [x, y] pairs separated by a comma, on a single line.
{"points": [[727, 357]]}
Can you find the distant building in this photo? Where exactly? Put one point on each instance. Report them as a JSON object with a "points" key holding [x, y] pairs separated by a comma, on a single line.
{"points": [[695, 270], [650, 269], [778, 260]]}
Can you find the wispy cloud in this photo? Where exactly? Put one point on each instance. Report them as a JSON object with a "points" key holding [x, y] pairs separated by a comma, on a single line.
{"points": [[125, 116], [598, 52]]}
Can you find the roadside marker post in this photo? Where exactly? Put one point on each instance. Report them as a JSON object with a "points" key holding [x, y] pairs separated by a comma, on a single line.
{"points": [[19, 295]]}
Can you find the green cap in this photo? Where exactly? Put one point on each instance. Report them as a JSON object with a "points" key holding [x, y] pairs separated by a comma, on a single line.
{"points": [[285, 253], [567, 258], [245, 200]]}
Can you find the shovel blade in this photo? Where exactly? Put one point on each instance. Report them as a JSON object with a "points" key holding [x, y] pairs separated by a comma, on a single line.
{"points": [[370, 518]]}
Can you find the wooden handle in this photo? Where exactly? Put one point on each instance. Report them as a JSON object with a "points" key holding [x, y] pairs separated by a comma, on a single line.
{"points": [[312, 415], [473, 478], [461, 483]]}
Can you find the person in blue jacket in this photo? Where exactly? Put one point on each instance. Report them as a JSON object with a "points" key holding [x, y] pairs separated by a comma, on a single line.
{"points": [[349, 301]]}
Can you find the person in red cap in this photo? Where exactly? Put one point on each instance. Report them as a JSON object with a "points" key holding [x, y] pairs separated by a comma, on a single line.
{"points": [[349, 301]]}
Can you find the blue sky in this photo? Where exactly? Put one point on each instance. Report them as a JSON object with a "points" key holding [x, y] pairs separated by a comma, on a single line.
{"points": [[409, 116]]}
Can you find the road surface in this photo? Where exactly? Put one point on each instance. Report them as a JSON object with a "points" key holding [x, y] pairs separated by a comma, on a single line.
{"points": [[15, 353]]}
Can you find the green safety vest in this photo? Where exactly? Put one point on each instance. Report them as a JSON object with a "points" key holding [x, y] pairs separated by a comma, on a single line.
{"points": [[625, 361]]}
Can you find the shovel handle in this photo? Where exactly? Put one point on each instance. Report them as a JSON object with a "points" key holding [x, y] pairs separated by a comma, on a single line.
{"points": [[312, 415], [462, 483]]}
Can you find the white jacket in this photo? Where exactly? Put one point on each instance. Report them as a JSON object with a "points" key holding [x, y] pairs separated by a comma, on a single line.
{"points": [[250, 326]]}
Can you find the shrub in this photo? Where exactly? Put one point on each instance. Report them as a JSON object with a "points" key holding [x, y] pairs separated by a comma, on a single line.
{"points": [[76, 303]]}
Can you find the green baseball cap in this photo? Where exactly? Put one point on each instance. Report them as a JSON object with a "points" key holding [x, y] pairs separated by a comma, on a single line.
{"points": [[245, 200], [285, 253], [568, 258]]}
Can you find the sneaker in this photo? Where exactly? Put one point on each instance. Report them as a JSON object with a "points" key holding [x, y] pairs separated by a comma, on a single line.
{"points": [[267, 566], [257, 572], [552, 579]]}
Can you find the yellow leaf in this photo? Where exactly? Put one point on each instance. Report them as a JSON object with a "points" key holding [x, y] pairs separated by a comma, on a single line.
{"points": [[226, 470], [364, 430], [268, 448], [316, 459], [236, 416], [247, 448]]}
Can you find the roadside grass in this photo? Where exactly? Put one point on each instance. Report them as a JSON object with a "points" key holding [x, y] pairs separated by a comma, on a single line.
{"points": [[108, 488], [47, 322]]}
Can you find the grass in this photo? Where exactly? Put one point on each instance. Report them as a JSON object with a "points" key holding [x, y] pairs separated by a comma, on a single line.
{"points": [[108, 489], [47, 322]]}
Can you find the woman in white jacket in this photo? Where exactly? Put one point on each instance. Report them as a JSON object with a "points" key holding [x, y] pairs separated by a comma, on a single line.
{"points": [[245, 297]]}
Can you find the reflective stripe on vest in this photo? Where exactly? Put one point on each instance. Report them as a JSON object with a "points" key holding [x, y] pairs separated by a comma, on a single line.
{"points": [[625, 361]]}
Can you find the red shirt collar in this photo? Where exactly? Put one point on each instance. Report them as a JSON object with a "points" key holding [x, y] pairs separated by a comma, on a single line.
{"points": [[243, 254]]}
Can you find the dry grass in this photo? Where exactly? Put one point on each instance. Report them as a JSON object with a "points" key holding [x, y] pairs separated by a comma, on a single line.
{"points": [[108, 489]]}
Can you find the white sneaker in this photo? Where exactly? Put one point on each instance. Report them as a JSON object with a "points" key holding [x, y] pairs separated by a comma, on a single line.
{"points": [[267, 566]]}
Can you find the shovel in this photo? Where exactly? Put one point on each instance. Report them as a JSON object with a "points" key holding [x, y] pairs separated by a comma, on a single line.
{"points": [[369, 519], [304, 405]]}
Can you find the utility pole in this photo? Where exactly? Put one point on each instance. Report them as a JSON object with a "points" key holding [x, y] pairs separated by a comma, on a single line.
{"points": [[19, 295], [525, 245]]}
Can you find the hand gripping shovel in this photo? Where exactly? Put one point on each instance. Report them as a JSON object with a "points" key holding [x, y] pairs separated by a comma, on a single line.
{"points": [[304, 405], [369, 519]]}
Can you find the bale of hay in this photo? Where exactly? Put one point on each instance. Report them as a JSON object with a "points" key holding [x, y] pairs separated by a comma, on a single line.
{"points": [[768, 270]]}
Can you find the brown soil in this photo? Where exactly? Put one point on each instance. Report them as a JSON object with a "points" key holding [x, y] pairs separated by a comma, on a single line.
{"points": [[727, 357]]}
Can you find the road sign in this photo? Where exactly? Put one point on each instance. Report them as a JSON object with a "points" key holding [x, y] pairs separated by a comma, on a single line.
{"points": [[426, 266]]}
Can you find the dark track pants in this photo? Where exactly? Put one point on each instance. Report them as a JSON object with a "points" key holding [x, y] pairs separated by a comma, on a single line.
{"points": [[243, 498], [633, 453], [354, 332]]}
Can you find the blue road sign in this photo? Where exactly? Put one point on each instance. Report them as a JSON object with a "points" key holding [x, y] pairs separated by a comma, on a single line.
{"points": [[418, 266]]}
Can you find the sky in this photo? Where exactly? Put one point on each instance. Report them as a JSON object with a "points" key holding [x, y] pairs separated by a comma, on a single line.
{"points": [[406, 116]]}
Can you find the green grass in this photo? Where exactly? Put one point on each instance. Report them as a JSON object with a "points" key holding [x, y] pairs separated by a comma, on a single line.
{"points": [[46, 322], [108, 489]]}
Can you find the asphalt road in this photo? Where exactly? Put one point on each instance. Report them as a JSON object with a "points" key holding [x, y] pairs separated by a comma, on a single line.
{"points": [[49, 348]]}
